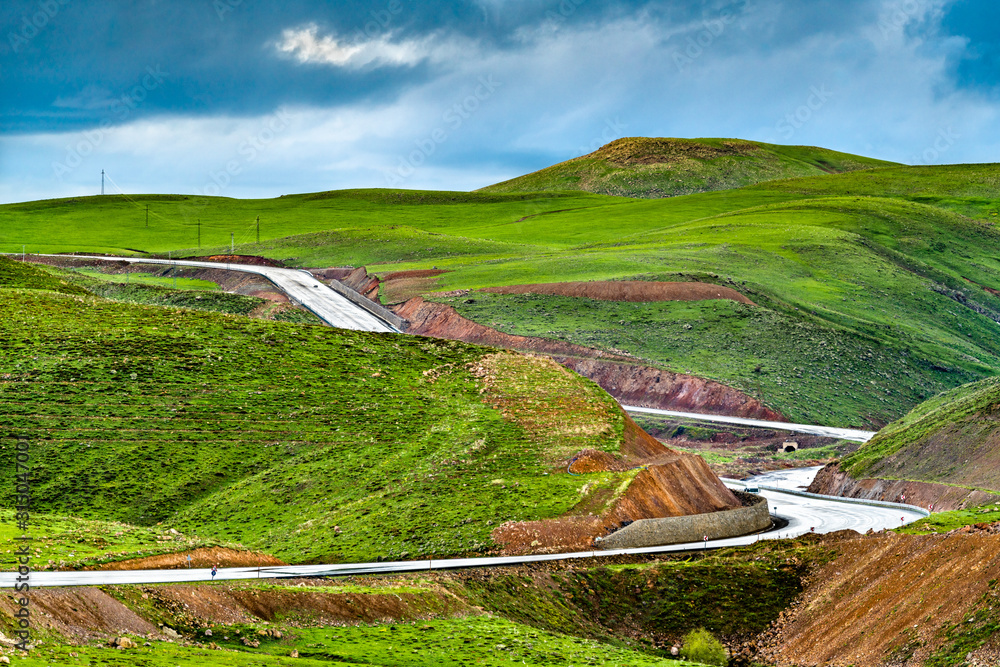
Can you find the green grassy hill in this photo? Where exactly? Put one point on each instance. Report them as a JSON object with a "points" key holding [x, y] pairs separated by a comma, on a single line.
{"points": [[954, 438], [312, 443], [875, 290], [650, 168]]}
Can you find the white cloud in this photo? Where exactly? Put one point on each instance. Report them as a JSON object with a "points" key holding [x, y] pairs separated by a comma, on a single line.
{"points": [[307, 46]]}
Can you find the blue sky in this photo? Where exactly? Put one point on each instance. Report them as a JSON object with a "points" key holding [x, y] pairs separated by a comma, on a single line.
{"points": [[246, 98]]}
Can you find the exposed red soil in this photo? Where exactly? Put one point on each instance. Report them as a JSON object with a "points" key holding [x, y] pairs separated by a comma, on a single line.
{"points": [[962, 453], [229, 604], [439, 321], [562, 535], [205, 557], [680, 487], [885, 596], [84, 613], [647, 387], [78, 613], [832, 481], [594, 460], [672, 484], [629, 290]]}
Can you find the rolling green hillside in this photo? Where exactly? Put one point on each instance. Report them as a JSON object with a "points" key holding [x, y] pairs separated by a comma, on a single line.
{"points": [[650, 168], [954, 438], [313, 443], [874, 290]]}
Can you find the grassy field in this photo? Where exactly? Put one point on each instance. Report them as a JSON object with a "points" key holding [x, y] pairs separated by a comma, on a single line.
{"points": [[643, 167], [354, 447], [453, 642], [873, 287]]}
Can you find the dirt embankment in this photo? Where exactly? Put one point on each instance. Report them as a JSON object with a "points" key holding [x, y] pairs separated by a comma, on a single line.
{"points": [[83, 614], [886, 600], [965, 452], [439, 321], [356, 279], [206, 557], [671, 484], [629, 290], [632, 384], [647, 387], [832, 481]]}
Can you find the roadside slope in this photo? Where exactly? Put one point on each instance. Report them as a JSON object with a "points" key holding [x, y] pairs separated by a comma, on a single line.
{"points": [[354, 447], [945, 451]]}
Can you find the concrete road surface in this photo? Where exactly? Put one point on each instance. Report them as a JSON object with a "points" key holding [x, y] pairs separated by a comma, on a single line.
{"points": [[842, 433], [298, 284], [823, 515]]}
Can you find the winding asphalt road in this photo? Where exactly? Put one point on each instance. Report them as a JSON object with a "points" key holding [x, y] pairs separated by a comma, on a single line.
{"points": [[820, 514], [783, 489], [298, 284], [842, 433]]}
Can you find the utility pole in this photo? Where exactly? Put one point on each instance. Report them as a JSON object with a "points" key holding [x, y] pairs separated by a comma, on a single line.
{"points": [[147, 216], [102, 181], [258, 230]]}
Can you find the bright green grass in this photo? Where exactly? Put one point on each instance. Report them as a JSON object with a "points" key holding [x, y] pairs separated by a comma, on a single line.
{"points": [[889, 260], [68, 542], [478, 640], [116, 224], [151, 279], [312, 443], [942, 522], [811, 372]]}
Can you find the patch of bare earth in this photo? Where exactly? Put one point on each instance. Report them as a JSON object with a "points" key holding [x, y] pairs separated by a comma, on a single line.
{"points": [[885, 600], [629, 290], [77, 613], [204, 557], [832, 481]]}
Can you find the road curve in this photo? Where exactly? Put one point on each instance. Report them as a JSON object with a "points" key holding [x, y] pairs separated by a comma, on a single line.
{"points": [[842, 433], [820, 515], [298, 284]]}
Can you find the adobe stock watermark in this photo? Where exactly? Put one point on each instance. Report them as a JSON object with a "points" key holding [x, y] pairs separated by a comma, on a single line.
{"points": [[711, 30], [33, 23], [454, 117], [791, 123], [612, 130], [120, 109], [563, 11], [897, 16], [945, 139], [247, 152], [22, 555]]}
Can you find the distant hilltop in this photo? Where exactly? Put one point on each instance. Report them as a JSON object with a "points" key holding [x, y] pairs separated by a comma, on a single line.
{"points": [[664, 167]]}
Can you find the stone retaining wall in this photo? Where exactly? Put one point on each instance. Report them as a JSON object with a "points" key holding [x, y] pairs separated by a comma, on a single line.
{"points": [[751, 518]]}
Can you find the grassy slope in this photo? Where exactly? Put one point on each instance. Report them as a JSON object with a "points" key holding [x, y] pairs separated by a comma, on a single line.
{"points": [[147, 415], [937, 440], [869, 304], [650, 168]]}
